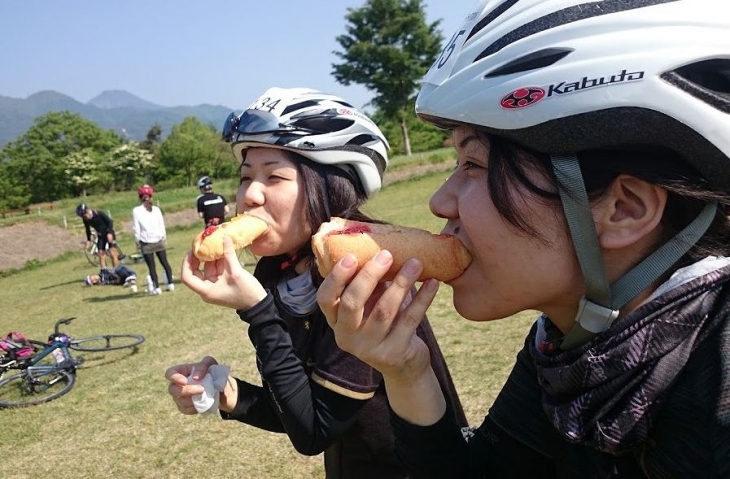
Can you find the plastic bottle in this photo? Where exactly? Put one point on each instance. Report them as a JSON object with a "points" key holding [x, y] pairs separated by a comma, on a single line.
{"points": [[58, 356]]}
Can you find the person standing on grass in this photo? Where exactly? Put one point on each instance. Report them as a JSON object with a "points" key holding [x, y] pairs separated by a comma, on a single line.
{"points": [[305, 156], [212, 207], [105, 235], [150, 234], [592, 184]]}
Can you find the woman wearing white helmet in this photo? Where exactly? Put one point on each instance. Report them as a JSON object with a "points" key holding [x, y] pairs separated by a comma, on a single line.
{"points": [[305, 156], [593, 174]]}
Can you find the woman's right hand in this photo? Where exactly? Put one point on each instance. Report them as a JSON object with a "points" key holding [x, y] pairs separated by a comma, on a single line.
{"points": [[368, 316], [371, 323], [224, 281]]}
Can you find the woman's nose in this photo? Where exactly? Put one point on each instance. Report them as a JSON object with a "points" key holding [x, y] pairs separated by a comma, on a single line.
{"points": [[443, 202], [250, 195]]}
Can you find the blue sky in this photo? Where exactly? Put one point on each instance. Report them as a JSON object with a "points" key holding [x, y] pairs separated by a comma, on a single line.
{"points": [[181, 52]]}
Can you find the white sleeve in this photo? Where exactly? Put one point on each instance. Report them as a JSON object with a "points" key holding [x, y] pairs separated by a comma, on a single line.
{"points": [[135, 225]]}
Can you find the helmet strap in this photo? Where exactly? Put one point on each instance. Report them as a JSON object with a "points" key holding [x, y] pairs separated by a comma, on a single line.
{"points": [[325, 188], [600, 306]]}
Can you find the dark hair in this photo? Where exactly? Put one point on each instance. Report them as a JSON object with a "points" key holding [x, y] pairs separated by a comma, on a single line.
{"points": [[688, 190], [330, 191]]}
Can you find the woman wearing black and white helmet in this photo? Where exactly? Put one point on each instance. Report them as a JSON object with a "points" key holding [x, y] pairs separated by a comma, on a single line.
{"points": [[593, 174], [305, 156]]}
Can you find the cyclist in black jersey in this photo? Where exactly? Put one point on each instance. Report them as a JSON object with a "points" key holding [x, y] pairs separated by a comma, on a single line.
{"points": [[120, 276], [212, 207], [105, 235]]}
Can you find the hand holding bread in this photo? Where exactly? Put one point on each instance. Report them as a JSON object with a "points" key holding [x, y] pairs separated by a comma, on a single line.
{"points": [[444, 257]]}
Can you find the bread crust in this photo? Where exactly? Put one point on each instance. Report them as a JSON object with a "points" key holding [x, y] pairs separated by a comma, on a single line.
{"points": [[243, 229], [444, 257]]}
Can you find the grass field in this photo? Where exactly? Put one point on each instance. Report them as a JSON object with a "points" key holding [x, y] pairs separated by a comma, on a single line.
{"points": [[118, 421]]}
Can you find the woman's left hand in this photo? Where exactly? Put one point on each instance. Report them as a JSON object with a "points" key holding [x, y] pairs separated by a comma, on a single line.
{"points": [[224, 281]]}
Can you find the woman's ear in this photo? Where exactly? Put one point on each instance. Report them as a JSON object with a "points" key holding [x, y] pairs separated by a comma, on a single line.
{"points": [[630, 210]]}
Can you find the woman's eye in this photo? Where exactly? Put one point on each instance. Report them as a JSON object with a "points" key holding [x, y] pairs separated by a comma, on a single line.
{"points": [[244, 179], [467, 165]]}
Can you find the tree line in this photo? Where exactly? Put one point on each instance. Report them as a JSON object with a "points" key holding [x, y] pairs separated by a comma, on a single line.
{"points": [[387, 48]]}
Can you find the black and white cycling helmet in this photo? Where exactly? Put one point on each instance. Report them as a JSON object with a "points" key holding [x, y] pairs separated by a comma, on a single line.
{"points": [[81, 209], [319, 126], [562, 76], [204, 182]]}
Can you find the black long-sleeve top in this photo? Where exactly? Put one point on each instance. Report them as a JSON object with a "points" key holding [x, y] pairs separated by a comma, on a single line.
{"points": [[323, 398], [689, 437], [100, 221]]}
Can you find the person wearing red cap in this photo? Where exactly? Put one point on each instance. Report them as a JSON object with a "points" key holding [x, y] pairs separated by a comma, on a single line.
{"points": [[150, 235]]}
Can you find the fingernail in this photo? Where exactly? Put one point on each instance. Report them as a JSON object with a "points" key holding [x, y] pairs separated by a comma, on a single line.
{"points": [[411, 267], [348, 261], [383, 257], [430, 286]]}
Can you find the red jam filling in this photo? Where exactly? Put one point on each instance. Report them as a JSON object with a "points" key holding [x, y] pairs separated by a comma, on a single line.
{"points": [[208, 231], [353, 230]]}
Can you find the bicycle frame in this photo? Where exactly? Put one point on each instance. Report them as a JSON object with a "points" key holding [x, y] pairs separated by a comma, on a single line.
{"points": [[58, 347]]}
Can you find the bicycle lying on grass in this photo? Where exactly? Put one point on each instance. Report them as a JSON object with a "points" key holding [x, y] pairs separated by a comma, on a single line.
{"points": [[48, 370]]}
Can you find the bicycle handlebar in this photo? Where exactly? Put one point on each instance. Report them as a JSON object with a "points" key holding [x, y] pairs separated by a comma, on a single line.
{"points": [[62, 321]]}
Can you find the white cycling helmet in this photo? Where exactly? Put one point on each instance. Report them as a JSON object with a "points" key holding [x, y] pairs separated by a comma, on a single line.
{"points": [[562, 76], [319, 126]]}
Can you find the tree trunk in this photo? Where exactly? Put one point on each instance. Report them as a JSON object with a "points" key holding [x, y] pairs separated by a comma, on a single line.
{"points": [[406, 138]]}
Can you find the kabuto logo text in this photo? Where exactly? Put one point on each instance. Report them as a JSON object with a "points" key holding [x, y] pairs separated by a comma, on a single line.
{"points": [[585, 83], [527, 96]]}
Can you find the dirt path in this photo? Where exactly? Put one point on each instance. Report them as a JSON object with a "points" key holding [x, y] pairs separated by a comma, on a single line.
{"points": [[25, 242]]}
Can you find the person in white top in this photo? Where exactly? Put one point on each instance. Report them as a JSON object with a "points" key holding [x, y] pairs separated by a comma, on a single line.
{"points": [[148, 226]]}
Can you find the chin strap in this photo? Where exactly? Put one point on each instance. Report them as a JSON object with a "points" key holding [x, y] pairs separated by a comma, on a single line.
{"points": [[600, 306]]}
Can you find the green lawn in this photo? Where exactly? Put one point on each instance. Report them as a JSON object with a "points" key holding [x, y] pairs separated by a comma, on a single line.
{"points": [[118, 421]]}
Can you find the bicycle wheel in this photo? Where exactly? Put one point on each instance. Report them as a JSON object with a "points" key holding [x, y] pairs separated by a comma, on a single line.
{"points": [[35, 385], [120, 254], [91, 253], [106, 342]]}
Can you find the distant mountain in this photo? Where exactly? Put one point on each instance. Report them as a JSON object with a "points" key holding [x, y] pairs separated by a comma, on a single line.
{"points": [[110, 99], [128, 115]]}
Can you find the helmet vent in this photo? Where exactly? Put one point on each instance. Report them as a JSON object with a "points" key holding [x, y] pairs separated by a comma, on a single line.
{"points": [[708, 81], [493, 15], [362, 140], [562, 17], [323, 125], [299, 106], [533, 61]]}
